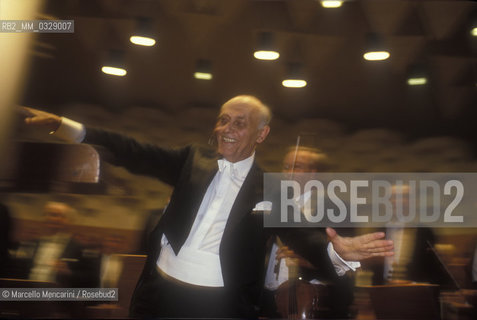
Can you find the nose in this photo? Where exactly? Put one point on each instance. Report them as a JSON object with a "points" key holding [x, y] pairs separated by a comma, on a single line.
{"points": [[228, 127]]}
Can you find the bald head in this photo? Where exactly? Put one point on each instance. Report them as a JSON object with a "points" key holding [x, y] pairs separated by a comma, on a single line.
{"points": [[260, 110]]}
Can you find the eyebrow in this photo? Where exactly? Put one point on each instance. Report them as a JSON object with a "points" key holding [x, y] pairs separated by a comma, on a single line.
{"points": [[226, 115]]}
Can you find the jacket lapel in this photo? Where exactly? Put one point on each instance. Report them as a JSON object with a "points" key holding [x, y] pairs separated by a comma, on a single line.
{"points": [[179, 222], [248, 196]]}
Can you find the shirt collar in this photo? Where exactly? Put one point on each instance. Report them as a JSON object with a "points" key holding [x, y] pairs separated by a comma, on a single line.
{"points": [[239, 169]]}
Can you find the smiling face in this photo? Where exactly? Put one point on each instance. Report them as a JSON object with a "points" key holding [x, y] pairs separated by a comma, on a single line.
{"points": [[238, 129]]}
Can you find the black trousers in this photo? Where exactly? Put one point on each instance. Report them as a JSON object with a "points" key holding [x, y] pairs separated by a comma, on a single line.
{"points": [[161, 297]]}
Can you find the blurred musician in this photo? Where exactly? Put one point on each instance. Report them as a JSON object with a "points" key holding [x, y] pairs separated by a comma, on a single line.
{"points": [[331, 295], [57, 257]]}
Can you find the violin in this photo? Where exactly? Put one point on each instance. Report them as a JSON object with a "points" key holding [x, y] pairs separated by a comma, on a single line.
{"points": [[299, 299]]}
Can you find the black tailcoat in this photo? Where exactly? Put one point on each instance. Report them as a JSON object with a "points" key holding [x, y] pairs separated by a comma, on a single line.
{"points": [[190, 170]]}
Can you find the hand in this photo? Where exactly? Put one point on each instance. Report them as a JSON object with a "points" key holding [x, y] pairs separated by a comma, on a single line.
{"points": [[39, 118], [360, 247], [292, 258]]}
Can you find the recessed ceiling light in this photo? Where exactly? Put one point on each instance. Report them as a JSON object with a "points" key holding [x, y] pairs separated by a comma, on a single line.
{"points": [[203, 70], [202, 75], [331, 3], [417, 81], [266, 47], [266, 55], [294, 83], [114, 71], [142, 41], [144, 33], [376, 55]]}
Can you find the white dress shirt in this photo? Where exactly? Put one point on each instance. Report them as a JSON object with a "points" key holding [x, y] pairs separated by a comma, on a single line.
{"points": [[198, 260]]}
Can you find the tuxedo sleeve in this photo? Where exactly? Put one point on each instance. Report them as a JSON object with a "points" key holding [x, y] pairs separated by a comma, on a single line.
{"points": [[311, 244], [139, 158]]}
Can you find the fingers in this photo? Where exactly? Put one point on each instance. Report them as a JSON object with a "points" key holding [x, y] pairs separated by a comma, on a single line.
{"points": [[383, 254], [37, 120], [376, 244], [331, 232], [379, 248], [369, 237], [40, 118], [24, 111]]}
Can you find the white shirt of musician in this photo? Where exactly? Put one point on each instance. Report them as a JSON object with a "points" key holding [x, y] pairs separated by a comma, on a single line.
{"points": [[48, 253], [110, 270]]}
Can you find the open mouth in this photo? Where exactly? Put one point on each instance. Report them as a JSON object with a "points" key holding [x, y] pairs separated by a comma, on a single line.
{"points": [[230, 140]]}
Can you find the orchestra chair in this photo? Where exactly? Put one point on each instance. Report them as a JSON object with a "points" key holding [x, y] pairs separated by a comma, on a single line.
{"points": [[405, 301]]}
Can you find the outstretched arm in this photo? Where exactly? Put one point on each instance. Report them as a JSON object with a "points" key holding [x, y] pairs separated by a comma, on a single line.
{"points": [[360, 247], [162, 163]]}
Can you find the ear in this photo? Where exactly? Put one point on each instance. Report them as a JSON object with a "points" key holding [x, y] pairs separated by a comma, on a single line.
{"points": [[212, 139], [263, 134]]}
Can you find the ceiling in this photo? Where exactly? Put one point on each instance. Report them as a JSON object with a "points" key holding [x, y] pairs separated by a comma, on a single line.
{"points": [[342, 86]]}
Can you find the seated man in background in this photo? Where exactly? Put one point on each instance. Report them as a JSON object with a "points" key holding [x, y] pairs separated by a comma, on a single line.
{"points": [[57, 257]]}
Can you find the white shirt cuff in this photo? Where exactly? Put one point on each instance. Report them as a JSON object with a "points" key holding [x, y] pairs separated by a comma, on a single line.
{"points": [[70, 130], [341, 266]]}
